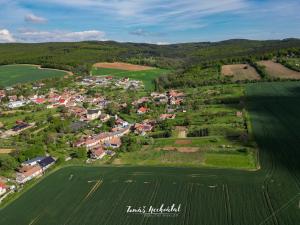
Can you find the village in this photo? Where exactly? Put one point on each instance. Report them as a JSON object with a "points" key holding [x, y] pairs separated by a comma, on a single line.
{"points": [[85, 109]]}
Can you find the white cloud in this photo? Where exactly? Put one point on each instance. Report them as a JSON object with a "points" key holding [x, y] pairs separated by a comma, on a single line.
{"points": [[152, 11], [31, 18], [59, 36], [6, 36], [163, 43]]}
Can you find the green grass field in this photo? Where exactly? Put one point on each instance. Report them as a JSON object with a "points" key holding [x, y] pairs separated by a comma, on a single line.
{"points": [[147, 76], [14, 74], [100, 195]]}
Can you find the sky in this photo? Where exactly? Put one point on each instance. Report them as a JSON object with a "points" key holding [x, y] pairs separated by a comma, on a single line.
{"points": [[149, 21]]}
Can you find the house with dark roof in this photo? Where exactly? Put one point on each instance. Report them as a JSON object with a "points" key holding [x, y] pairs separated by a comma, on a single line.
{"points": [[34, 161], [46, 162]]}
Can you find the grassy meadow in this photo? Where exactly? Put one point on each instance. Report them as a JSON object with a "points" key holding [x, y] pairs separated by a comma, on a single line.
{"points": [[14, 74]]}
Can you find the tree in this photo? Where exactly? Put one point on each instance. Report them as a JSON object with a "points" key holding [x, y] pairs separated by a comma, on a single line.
{"points": [[80, 153], [111, 122], [8, 162]]}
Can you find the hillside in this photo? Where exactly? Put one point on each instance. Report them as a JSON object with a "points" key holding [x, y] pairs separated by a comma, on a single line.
{"points": [[79, 57]]}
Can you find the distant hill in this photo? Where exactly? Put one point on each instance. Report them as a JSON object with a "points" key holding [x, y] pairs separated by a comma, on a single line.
{"points": [[79, 56]]}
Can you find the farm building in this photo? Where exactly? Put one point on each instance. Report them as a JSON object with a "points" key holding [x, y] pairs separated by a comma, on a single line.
{"points": [[34, 161], [46, 162], [97, 153], [16, 104], [27, 173], [93, 114], [115, 142]]}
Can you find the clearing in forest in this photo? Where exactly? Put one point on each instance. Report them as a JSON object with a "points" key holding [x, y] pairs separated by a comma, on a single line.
{"points": [[279, 71], [122, 66], [240, 72]]}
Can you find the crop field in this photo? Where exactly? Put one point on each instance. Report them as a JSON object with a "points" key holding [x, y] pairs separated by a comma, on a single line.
{"points": [[147, 76], [14, 74], [239, 72], [122, 66], [101, 195], [279, 71]]}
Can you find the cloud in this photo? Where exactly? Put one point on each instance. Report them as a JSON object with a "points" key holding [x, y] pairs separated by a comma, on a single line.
{"points": [[31, 18], [139, 32], [59, 36], [151, 11], [144, 33], [162, 43], [6, 36]]}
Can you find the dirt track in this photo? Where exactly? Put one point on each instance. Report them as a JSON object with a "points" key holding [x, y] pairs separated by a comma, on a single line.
{"points": [[180, 149], [122, 66]]}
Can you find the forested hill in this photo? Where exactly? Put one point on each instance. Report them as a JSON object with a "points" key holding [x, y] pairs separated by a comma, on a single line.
{"points": [[79, 57]]}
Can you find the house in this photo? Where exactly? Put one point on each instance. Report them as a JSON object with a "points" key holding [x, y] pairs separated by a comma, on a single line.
{"points": [[16, 104], [114, 142], [33, 162], [92, 142], [2, 94], [97, 153], [121, 132], [21, 126], [93, 114], [104, 117], [79, 143], [12, 98], [142, 128], [3, 188], [167, 116], [142, 110], [62, 101], [159, 98], [78, 112], [46, 162], [141, 101], [27, 173], [121, 123], [39, 100]]}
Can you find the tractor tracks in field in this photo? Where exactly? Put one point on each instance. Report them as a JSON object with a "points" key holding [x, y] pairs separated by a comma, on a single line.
{"points": [[227, 204]]}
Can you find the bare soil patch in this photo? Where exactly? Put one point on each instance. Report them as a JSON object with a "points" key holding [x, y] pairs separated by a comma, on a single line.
{"points": [[6, 150], [179, 149], [240, 72], [183, 142], [122, 66], [279, 71]]}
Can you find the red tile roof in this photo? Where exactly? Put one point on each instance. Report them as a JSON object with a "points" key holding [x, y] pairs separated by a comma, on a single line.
{"points": [[2, 185], [143, 109]]}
